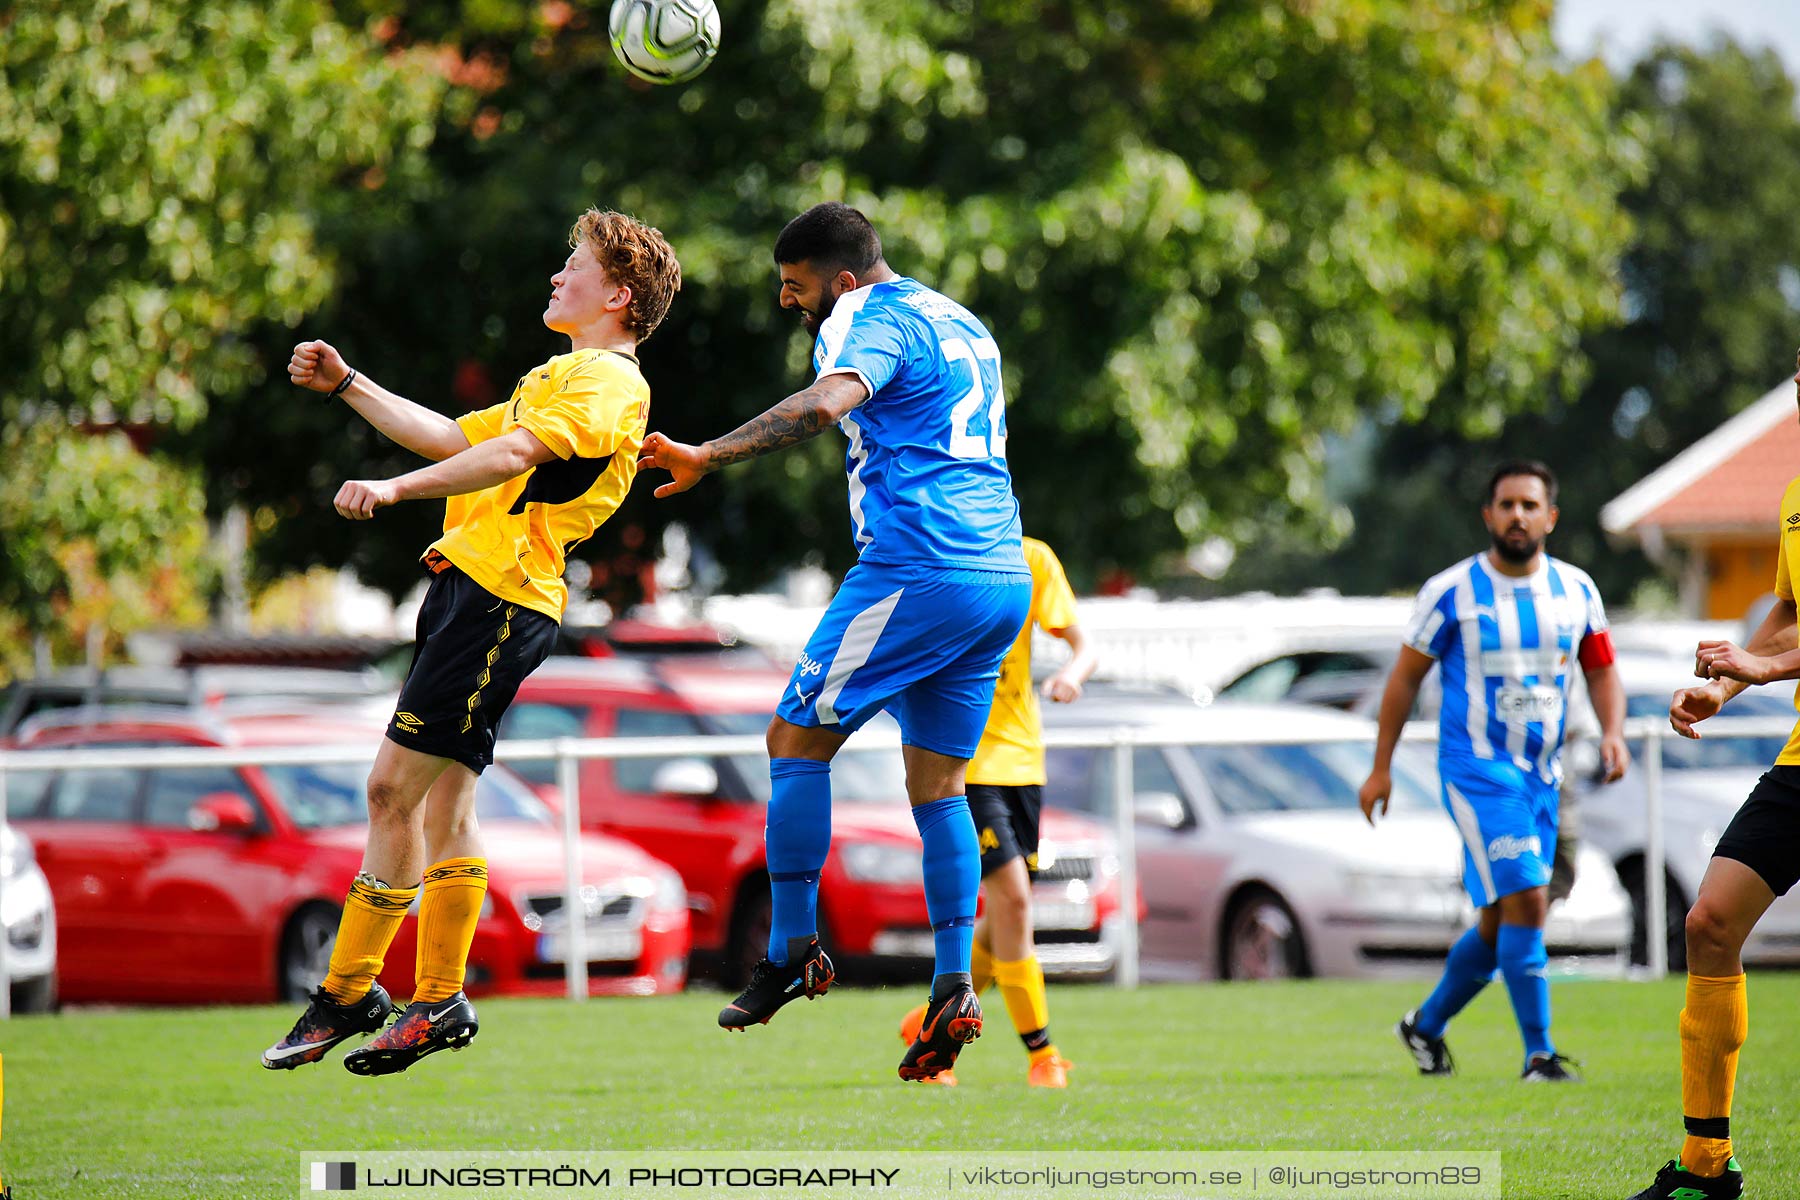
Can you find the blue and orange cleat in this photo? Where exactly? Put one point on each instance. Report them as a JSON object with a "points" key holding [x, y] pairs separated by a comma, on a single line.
{"points": [[951, 1022], [808, 972], [424, 1027]]}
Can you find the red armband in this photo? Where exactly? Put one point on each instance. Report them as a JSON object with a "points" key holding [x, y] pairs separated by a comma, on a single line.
{"points": [[1597, 651]]}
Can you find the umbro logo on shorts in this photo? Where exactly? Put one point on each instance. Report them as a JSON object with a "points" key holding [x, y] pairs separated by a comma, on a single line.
{"points": [[407, 722]]}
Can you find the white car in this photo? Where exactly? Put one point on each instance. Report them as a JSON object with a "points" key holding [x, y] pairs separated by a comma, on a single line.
{"points": [[29, 918], [1255, 861]]}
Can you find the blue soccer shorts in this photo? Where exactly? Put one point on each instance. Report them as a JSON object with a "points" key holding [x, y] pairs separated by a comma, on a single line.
{"points": [[922, 642], [1507, 818]]}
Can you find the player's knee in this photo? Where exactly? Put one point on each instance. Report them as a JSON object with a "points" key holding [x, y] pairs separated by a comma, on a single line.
{"points": [[1007, 901], [388, 801], [1709, 932]]}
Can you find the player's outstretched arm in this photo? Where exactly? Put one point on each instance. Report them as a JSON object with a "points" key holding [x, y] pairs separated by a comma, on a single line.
{"points": [[477, 468], [801, 416], [1396, 705], [317, 366]]}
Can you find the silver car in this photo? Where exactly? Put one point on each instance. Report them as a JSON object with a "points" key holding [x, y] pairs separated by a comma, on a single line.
{"points": [[1255, 861]]}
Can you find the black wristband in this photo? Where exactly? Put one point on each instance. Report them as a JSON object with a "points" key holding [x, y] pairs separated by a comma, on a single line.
{"points": [[343, 386]]}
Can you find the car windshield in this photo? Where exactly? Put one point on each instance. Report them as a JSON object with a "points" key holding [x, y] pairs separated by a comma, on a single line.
{"points": [[321, 795], [1326, 775], [1686, 754], [1244, 778], [856, 775]]}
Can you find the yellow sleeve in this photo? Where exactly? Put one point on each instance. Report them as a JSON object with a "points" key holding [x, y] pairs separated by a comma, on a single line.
{"points": [[481, 425], [1784, 587], [584, 417], [1053, 601]]}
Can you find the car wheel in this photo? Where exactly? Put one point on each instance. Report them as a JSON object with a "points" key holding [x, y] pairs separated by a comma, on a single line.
{"points": [[35, 995], [306, 949], [1675, 906], [1263, 939], [750, 925]]}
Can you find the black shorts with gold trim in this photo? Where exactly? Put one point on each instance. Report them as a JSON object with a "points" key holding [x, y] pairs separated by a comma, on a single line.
{"points": [[1006, 823], [472, 652]]}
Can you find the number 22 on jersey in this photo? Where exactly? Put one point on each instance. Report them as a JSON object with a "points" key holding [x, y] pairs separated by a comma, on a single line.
{"points": [[964, 442]]}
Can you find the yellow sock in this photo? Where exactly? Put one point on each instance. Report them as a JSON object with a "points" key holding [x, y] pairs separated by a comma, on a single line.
{"points": [[1713, 1027], [1022, 987], [448, 909], [372, 916], [981, 967]]}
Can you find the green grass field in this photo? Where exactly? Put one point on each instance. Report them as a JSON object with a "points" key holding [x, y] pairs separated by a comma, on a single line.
{"points": [[172, 1103]]}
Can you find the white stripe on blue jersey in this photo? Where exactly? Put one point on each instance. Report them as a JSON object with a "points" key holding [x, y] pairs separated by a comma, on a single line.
{"points": [[1507, 647]]}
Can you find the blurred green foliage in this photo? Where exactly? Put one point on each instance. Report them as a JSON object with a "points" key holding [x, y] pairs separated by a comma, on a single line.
{"points": [[164, 167], [96, 534], [1711, 297], [1206, 235]]}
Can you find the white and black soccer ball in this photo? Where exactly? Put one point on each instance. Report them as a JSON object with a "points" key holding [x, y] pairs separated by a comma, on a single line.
{"points": [[664, 41]]}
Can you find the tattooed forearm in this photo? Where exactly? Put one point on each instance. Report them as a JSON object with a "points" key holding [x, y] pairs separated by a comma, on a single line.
{"points": [[794, 420]]}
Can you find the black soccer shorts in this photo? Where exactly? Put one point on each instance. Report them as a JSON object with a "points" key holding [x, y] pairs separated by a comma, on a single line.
{"points": [[1765, 833], [472, 652], [1006, 823]]}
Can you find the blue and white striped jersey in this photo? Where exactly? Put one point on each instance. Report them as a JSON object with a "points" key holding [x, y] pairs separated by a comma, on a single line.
{"points": [[927, 457], [1508, 649]]}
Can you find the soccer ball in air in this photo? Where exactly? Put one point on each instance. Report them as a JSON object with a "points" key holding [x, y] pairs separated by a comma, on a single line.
{"points": [[664, 41]]}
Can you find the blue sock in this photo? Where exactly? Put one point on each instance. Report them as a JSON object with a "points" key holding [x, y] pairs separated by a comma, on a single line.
{"points": [[1467, 970], [952, 879], [1525, 967], [796, 839]]}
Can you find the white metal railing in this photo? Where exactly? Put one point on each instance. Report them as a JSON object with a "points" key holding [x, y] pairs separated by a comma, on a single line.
{"points": [[567, 753]]}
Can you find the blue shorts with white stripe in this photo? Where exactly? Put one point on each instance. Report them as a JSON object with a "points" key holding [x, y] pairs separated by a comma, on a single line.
{"points": [[1507, 818], [923, 642]]}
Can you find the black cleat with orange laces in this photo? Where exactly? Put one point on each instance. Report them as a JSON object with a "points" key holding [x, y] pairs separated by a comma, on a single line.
{"points": [[952, 1021]]}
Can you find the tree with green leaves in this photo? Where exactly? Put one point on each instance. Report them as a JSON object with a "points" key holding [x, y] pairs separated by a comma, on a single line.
{"points": [[1711, 301], [1206, 236], [168, 172], [164, 172], [94, 535]]}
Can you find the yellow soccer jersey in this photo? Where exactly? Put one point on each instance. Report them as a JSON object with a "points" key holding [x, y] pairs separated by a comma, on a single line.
{"points": [[591, 408], [1787, 567], [1011, 753]]}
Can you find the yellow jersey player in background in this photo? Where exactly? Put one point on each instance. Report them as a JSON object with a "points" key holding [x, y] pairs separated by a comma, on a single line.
{"points": [[1006, 796], [524, 482]]}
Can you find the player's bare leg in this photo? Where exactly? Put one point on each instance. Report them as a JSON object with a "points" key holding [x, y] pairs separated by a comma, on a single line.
{"points": [[440, 1016]]}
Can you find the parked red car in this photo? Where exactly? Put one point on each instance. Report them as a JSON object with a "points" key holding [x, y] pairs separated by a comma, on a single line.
{"points": [[224, 884], [704, 817]]}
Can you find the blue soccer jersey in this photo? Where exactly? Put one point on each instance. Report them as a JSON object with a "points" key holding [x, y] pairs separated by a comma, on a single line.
{"points": [[1507, 648], [927, 456]]}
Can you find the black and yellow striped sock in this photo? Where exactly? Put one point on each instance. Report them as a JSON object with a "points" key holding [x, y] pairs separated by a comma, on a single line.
{"points": [[1022, 987], [372, 915], [449, 908]]}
